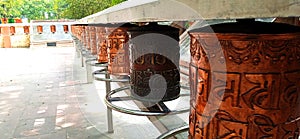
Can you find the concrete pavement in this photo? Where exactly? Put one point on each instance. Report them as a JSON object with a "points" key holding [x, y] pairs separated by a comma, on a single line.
{"points": [[44, 95]]}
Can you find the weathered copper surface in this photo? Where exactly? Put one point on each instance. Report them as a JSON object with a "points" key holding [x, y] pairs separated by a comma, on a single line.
{"points": [[39, 29], [12, 30], [259, 89], [93, 42], [154, 50], [101, 44], [53, 28], [26, 29]]}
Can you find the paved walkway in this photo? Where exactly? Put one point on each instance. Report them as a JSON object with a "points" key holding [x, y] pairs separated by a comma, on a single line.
{"points": [[44, 95]]}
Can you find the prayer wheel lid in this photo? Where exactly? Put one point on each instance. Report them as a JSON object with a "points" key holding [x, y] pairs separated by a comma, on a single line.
{"points": [[153, 26], [80, 24], [113, 25], [249, 27]]}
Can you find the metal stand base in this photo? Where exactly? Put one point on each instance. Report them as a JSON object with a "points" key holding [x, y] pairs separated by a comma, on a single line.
{"points": [[165, 111], [110, 106]]}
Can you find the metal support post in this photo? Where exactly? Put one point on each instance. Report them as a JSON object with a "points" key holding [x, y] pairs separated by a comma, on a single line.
{"points": [[109, 110], [89, 75]]}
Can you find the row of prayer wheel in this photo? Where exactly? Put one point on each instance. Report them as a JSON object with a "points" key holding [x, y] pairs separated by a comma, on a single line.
{"points": [[244, 76], [52, 28], [111, 44], [12, 29], [105, 42]]}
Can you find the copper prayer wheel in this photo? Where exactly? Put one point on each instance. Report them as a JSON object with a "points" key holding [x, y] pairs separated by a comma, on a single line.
{"points": [[83, 36], [39, 29], [118, 52], [154, 55], [87, 38], [81, 33], [101, 44], [93, 42], [12, 30], [26, 29], [78, 31], [66, 28], [53, 28], [258, 91], [73, 29]]}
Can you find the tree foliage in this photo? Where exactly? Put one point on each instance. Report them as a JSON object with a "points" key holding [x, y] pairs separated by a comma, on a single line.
{"points": [[10, 7], [54, 9], [81, 8]]}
